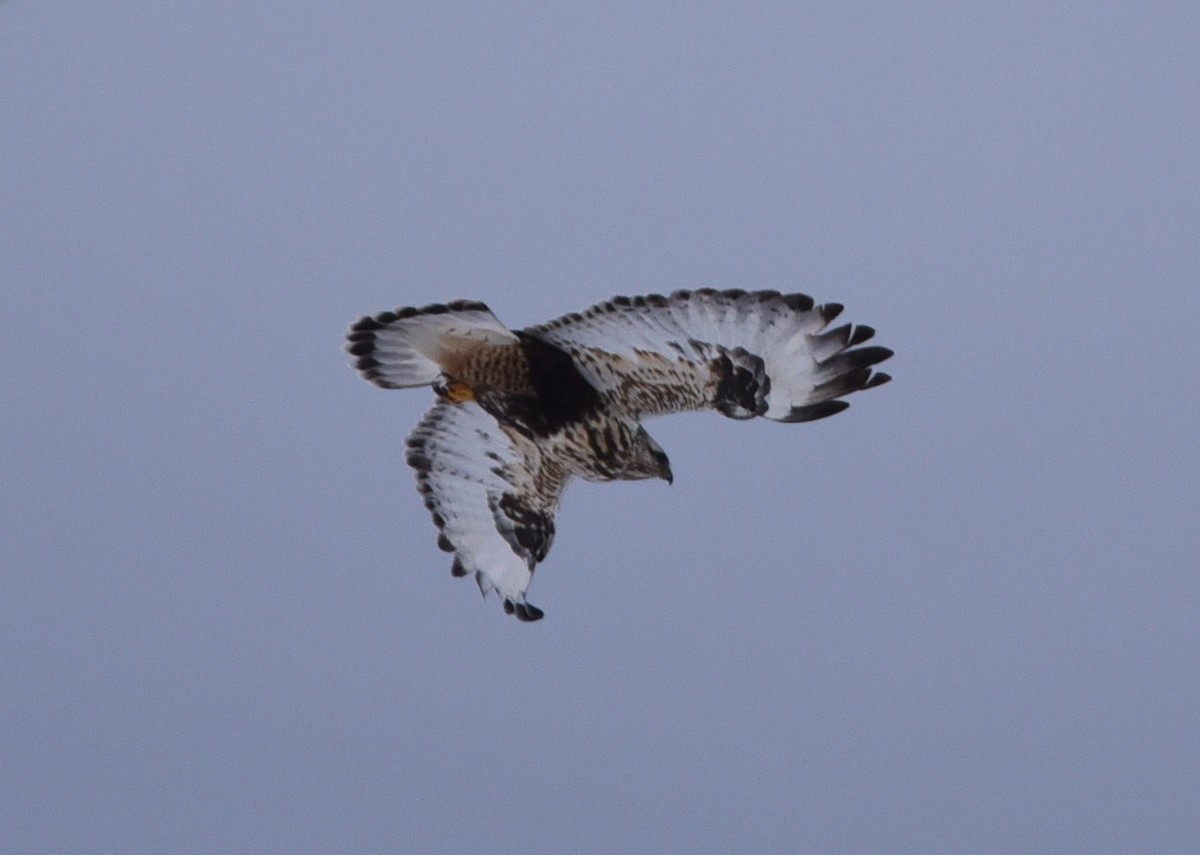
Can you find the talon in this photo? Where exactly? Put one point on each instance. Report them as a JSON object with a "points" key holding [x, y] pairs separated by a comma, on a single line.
{"points": [[455, 392]]}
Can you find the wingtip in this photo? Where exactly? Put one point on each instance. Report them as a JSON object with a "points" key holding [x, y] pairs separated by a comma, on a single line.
{"points": [[523, 611], [812, 412]]}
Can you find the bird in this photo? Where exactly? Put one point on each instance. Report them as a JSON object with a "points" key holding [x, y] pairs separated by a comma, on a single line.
{"points": [[519, 413]]}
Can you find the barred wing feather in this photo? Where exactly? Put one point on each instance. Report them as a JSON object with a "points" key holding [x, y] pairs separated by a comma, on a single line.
{"points": [[745, 353], [492, 495]]}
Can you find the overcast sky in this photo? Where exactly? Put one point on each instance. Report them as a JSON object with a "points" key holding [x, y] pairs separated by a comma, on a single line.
{"points": [[962, 616]]}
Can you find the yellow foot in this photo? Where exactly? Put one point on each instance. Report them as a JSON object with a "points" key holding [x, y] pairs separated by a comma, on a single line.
{"points": [[455, 391]]}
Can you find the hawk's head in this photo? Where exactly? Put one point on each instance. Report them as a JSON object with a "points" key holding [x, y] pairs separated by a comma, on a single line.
{"points": [[647, 459]]}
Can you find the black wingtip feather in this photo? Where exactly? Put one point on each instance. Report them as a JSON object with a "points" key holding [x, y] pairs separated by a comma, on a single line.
{"points": [[467, 306], [529, 613], [829, 311], [812, 412], [799, 302], [861, 333], [843, 384], [523, 611], [858, 358], [365, 324], [839, 334], [418, 460]]}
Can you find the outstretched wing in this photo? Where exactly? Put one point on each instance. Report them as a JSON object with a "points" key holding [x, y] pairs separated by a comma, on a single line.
{"points": [[492, 495], [416, 346], [744, 353]]}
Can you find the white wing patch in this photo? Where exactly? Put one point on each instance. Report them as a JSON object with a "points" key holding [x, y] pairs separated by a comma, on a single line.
{"points": [[492, 498], [745, 352]]}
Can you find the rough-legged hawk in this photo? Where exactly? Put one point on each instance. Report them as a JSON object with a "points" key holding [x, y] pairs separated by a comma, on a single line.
{"points": [[521, 412]]}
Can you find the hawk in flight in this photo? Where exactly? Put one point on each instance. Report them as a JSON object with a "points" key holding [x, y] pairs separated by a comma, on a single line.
{"points": [[520, 412]]}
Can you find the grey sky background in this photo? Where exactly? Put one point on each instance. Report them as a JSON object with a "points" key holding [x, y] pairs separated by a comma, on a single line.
{"points": [[962, 616]]}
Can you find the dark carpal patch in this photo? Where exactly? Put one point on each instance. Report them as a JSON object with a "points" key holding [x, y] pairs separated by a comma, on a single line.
{"points": [[741, 392], [532, 529], [562, 394]]}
